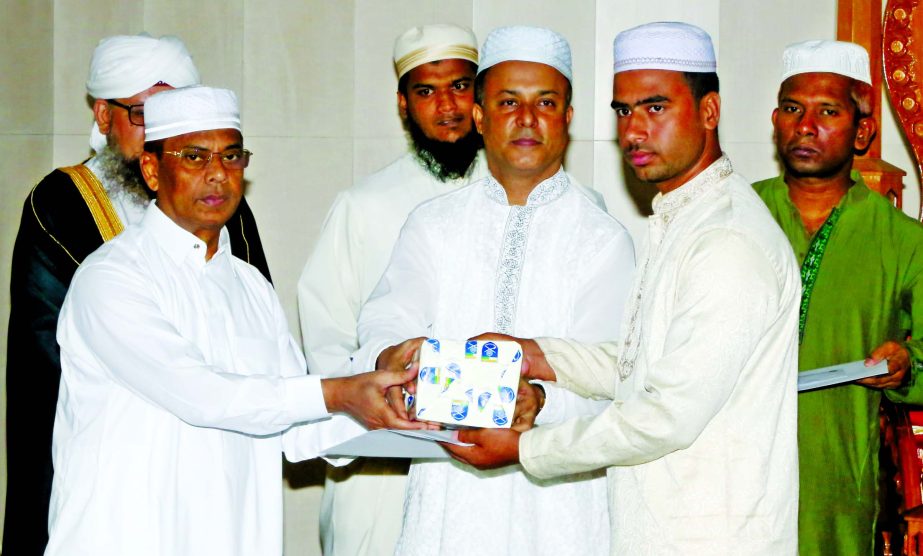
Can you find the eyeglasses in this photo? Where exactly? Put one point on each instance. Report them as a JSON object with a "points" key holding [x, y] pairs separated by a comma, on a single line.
{"points": [[195, 158], [135, 112]]}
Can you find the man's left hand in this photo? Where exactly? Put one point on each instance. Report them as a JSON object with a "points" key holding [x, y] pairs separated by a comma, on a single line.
{"points": [[898, 364], [492, 447]]}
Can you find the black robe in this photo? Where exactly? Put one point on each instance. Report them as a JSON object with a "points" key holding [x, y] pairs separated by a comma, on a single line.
{"points": [[56, 233]]}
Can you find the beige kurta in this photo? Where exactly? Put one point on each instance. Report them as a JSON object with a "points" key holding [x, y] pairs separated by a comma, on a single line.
{"points": [[700, 440]]}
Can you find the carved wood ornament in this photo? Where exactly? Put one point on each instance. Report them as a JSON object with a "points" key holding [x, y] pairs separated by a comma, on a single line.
{"points": [[902, 48]]}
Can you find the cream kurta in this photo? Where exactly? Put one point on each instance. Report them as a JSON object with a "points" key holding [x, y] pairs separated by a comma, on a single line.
{"points": [[467, 263], [700, 441], [177, 377]]}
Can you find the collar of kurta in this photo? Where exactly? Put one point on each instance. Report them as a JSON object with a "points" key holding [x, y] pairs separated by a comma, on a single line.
{"points": [[858, 192], [543, 193], [704, 182], [178, 243]]}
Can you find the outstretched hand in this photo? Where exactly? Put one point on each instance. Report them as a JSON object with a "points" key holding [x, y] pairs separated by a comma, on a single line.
{"points": [[400, 357], [492, 447], [529, 401], [363, 397], [898, 364], [534, 365]]}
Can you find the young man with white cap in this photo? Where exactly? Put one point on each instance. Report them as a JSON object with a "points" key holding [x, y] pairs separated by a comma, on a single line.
{"points": [[700, 437], [522, 251], [67, 216], [180, 382], [435, 64], [853, 245]]}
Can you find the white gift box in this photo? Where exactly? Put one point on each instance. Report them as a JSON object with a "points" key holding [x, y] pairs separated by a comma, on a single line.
{"points": [[468, 383]]}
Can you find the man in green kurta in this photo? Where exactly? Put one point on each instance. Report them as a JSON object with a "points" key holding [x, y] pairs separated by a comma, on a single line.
{"points": [[867, 296]]}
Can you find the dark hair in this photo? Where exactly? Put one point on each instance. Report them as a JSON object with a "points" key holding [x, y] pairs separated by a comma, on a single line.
{"points": [[479, 89], [155, 147], [701, 83]]}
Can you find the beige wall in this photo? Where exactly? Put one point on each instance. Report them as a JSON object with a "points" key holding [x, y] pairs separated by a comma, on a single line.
{"points": [[317, 91]]}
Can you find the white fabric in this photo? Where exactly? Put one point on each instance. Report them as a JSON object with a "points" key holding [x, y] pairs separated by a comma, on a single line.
{"points": [[124, 65], [188, 110], [844, 58], [428, 43], [526, 44], [664, 45], [360, 512], [700, 440], [466, 263], [177, 377]]}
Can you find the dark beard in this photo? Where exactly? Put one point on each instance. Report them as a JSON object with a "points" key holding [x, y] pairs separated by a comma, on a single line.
{"points": [[445, 161], [124, 175]]}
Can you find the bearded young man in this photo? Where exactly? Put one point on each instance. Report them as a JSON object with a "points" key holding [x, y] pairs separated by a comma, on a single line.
{"points": [[67, 216], [699, 442], [863, 286], [435, 64]]}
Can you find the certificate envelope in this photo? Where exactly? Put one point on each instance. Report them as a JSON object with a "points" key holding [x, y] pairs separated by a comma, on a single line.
{"points": [[838, 374], [384, 443]]}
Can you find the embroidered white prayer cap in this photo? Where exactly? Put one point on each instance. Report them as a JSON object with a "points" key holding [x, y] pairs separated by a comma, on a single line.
{"points": [[844, 58], [428, 43], [124, 65], [526, 44], [188, 110], [664, 45]]}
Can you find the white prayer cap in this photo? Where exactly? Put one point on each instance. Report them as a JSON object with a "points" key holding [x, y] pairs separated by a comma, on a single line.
{"points": [[844, 58], [190, 109], [664, 45], [124, 65], [428, 43], [526, 44]]}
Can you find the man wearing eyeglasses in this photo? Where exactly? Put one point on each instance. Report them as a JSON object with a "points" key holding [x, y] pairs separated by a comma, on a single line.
{"points": [[67, 216], [180, 382]]}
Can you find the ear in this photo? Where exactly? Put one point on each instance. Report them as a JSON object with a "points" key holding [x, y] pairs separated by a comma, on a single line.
{"points": [[150, 169], [478, 114], [570, 113], [868, 127], [402, 105], [102, 112], [710, 110]]}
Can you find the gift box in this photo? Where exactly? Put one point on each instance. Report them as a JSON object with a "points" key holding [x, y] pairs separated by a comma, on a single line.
{"points": [[468, 383]]}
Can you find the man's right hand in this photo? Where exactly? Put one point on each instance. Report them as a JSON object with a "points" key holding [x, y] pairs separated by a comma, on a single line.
{"points": [[363, 397], [400, 358], [534, 365]]}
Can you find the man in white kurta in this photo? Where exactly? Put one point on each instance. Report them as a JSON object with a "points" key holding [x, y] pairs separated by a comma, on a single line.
{"points": [[700, 437], [491, 256], [178, 371]]}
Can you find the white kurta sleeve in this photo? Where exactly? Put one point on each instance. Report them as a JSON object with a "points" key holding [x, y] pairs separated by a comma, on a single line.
{"points": [[728, 294], [402, 304], [329, 291], [598, 309], [119, 327]]}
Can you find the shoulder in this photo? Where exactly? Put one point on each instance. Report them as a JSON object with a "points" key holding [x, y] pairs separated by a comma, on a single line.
{"points": [[764, 187], [387, 180], [738, 212]]}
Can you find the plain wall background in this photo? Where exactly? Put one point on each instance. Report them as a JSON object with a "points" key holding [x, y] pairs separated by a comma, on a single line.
{"points": [[317, 90]]}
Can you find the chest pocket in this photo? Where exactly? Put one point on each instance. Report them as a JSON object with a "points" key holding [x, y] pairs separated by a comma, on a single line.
{"points": [[256, 356]]}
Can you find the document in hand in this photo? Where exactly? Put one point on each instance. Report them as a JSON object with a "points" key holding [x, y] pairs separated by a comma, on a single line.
{"points": [[838, 374], [396, 444]]}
